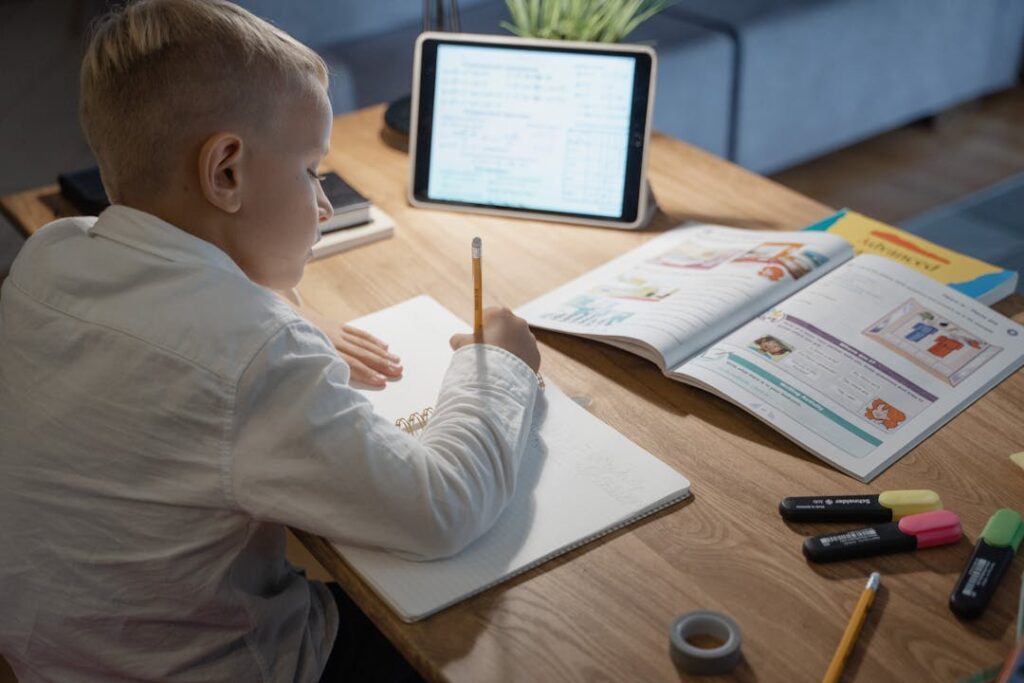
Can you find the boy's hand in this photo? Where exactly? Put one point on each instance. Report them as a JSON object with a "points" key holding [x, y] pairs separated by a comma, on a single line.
{"points": [[503, 328], [367, 356]]}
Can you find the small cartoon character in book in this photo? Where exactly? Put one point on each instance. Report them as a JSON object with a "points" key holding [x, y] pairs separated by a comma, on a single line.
{"points": [[884, 415]]}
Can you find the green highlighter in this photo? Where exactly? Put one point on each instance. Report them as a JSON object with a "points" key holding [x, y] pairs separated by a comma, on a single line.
{"points": [[993, 553]]}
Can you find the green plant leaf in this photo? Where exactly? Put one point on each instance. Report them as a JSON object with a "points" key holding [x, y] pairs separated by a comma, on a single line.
{"points": [[535, 24], [641, 18], [587, 20], [517, 11], [622, 17], [512, 28]]}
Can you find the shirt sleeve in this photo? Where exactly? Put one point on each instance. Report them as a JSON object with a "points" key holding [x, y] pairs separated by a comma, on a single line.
{"points": [[308, 451]]}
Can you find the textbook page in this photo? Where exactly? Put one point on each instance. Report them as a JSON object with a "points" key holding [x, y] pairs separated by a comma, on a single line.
{"points": [[578, 479], [669, 298], [864, 364]]}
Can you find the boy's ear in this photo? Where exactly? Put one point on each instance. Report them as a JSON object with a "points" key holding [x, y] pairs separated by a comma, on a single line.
{"points": [[220, 171]]}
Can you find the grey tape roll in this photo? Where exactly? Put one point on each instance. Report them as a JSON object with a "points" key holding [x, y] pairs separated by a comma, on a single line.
{"points": [[700, 660]]}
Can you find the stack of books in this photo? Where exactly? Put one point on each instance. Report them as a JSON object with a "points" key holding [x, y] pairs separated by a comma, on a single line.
{"points": [[355, 222]]}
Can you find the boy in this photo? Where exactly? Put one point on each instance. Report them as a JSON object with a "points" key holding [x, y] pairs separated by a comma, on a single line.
{"points": [[163, 414]]}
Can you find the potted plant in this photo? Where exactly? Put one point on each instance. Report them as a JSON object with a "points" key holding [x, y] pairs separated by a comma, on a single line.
{"points": [[603, 21]]}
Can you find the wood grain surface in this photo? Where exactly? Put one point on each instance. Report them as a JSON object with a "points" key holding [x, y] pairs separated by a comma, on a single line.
{"points": [[602, 612]]}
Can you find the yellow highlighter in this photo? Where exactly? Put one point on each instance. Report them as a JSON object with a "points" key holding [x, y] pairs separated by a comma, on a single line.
{"points": [[887, 506], [860, 613]]}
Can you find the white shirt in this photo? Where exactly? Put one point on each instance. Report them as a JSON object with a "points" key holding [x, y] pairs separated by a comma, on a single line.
{"points": [[161, 418]]}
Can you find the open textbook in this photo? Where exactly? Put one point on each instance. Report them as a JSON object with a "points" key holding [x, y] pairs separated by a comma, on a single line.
{"points": [[579, 478], [857, 359]]}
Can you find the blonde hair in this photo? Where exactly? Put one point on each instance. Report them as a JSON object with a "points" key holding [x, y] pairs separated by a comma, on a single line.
{"points": [[161, 75]]}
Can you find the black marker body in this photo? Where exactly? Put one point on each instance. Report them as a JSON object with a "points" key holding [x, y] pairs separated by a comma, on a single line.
{"points": [[834, 509], [978, 582], [866, 542]]}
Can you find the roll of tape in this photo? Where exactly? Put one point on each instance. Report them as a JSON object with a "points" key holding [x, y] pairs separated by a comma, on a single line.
{"points": [[700, 660]]}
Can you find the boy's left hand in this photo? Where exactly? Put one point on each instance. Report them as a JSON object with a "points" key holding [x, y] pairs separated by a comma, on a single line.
{"points": [[367, 356]]}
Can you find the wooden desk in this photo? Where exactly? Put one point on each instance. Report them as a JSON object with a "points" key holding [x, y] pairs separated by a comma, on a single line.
{"points": [[602, 612]]}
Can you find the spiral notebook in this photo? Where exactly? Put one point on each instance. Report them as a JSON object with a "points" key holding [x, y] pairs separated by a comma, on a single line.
{"points": [[579, 478]]}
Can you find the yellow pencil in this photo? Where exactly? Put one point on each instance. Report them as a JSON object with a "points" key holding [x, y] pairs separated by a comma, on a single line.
{"points": [[860, 613], [478, 291]]}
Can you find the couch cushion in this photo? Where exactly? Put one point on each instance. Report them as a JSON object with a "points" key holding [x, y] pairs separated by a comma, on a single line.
{"points": [[814, 75]]}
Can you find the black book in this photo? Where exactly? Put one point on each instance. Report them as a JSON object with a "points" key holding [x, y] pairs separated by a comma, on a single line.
{"points": [[350, 207]]}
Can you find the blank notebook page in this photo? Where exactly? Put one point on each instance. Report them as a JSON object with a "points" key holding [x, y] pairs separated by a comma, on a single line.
{"points": [[578, 480]]}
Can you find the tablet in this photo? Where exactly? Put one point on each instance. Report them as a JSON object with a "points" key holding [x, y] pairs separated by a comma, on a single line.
{"points": [[541, 128]]}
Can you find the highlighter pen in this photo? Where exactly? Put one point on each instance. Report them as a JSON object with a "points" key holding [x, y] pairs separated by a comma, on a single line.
{"points": [[887, 506], [992, 555], [914, 532]]}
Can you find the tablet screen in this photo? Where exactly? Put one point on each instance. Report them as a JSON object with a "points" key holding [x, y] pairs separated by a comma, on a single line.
{"points": [[541, 130]]}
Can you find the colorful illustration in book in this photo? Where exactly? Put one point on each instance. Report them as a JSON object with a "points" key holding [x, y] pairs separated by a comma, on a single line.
{"points": [[771, 347], [590, 311], [634, 286], [791, 257], [944, 345], [884, 416], [932, 342], [923, 328], [692, 254]]}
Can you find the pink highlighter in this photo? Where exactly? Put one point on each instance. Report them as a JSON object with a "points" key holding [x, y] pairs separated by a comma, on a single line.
{"points": [[913, 532]]}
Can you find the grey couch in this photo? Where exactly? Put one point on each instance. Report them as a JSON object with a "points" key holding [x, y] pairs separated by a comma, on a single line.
{"points": [[766, 83]]}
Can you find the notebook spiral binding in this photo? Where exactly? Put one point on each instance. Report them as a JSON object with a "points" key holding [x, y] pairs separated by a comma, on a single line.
{"points": [[416, 422]]}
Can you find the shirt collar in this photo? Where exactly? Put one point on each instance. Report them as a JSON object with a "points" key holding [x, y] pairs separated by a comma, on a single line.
{"points": [[153, 235]]}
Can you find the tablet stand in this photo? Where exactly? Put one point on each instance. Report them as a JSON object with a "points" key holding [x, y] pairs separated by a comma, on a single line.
{"points": [[652, 206]]}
